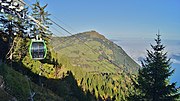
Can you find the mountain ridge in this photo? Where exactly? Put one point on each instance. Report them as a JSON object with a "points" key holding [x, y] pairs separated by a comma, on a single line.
{"points": [[92, 33], [98, 48], [73, 71]]}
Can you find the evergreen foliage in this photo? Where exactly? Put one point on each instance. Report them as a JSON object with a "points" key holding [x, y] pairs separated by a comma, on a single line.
{"points": [[42, 16], [153, 79]]}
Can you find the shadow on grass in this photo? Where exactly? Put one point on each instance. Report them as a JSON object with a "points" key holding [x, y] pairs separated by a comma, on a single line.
{"points": [[66, 88]]}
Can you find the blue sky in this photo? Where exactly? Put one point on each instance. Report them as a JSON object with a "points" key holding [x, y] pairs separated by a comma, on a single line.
{"points": [[118, 18]]}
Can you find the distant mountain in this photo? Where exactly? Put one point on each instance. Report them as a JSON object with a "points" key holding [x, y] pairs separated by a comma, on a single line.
{"points": [[94, 52]]}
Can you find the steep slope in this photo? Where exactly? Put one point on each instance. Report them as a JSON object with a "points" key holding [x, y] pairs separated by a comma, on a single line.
{"points": [[94, 52], [17, 87], [81, 74], [99, 66], [14, 86], [50, 83]]}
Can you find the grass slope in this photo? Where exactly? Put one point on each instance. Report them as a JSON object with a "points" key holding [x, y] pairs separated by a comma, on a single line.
{"points": [[81, 74], [92, 72], [17, 86], [75, 47]]}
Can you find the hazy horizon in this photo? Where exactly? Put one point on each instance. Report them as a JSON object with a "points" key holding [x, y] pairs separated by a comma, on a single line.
{"points": [[136, 49]]}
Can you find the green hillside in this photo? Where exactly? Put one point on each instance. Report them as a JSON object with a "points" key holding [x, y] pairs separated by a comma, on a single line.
{"points": [[18, 86], [71, 71], [77, 48], [93, 72]]}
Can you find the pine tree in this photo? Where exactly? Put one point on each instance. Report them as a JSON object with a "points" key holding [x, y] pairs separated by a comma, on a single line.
{"points": [[39, 13], [14, 29], [153, 78]]}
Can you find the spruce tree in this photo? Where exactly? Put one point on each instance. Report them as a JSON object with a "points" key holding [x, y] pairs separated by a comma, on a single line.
{"points": [[41, 15], [153, 78], [13, 28]]}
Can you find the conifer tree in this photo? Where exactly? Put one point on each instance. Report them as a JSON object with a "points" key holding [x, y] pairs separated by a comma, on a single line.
{"points": [[153, 78], [14, 29], [39, 13]]}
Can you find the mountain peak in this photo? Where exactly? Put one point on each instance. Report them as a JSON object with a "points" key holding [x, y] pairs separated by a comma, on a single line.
{"points": [[78, 52], [93, 34]]}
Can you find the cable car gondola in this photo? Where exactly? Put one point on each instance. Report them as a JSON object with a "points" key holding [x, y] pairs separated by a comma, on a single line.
{"points": [[37, 49]]}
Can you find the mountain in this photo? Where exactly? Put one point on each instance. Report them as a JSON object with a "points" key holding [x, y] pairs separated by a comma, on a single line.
{"points": [[95, 53], [100, 66], [81, 67]]}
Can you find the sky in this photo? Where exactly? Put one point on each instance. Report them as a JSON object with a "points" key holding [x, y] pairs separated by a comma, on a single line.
{"points": [[118, 18]]}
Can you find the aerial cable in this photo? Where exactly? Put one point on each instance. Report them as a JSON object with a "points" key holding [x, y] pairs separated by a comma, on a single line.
{"points": [[77, 38], [51, 27], [81, 52], [72, 34], [89, 47], [55, 24], [106, 58], [64, 23]]}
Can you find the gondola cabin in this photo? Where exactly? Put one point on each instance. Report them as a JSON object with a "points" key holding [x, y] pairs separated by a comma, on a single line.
{"points": [[37, 49]]}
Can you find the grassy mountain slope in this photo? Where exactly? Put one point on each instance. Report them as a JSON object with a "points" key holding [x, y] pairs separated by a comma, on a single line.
{"points": [[90, 68], [80, 75], [18, 86], [49, 83], [93, 60]]}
